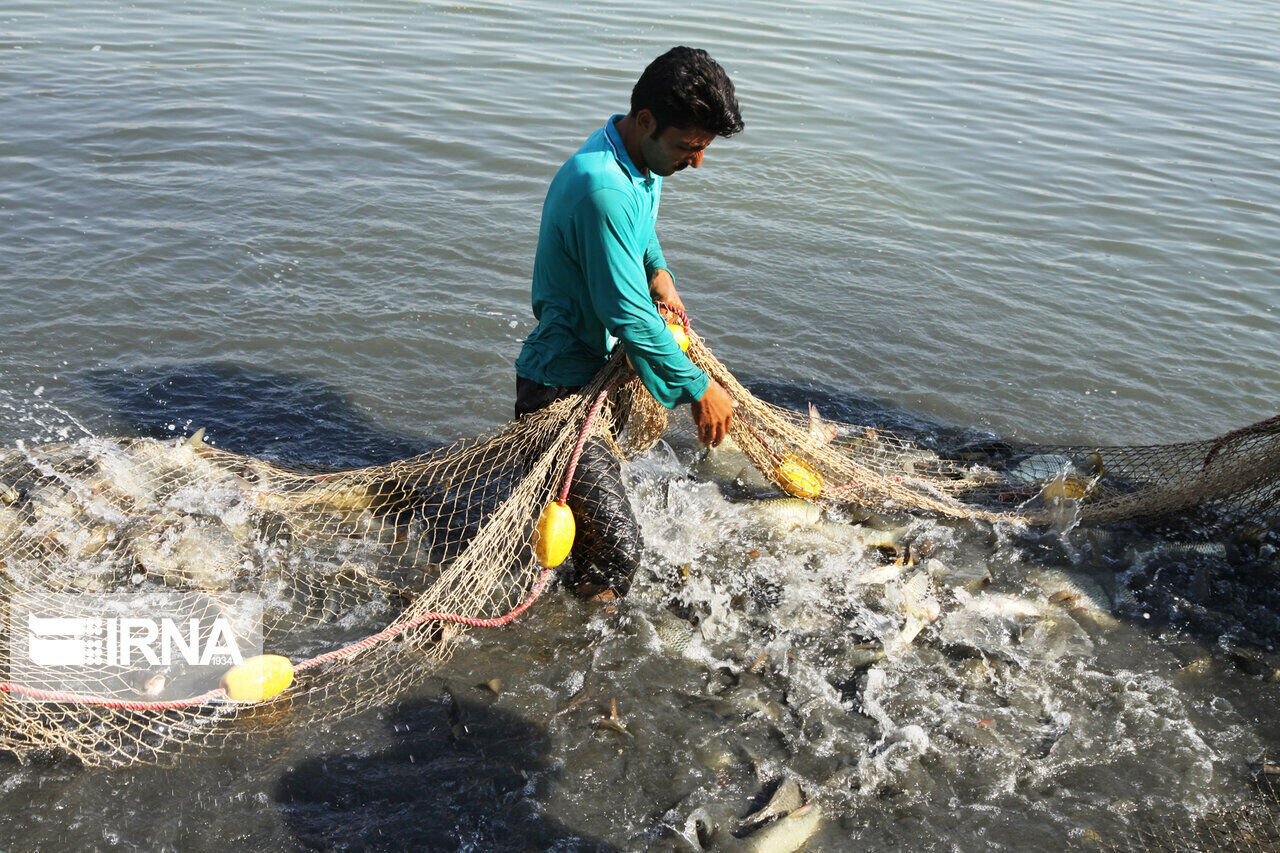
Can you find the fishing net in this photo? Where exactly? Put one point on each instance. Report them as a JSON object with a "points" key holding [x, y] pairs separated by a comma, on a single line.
{"points": [[432, 545], [1254, 826]]}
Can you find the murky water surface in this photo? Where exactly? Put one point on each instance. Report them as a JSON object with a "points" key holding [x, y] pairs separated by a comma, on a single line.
{"points": [[309, 229]]}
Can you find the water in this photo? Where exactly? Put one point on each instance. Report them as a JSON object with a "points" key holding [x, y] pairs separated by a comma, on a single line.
{"points": [[310, 229]]}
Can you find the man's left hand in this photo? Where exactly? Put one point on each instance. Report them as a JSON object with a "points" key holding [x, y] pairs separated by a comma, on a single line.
{"points": [[662, 287]]}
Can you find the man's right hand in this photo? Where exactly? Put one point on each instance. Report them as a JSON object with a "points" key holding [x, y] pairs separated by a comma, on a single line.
{"points": [[713, 414]]}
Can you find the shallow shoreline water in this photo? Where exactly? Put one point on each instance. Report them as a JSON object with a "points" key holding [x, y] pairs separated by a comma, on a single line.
{"points": [[309, 230]]}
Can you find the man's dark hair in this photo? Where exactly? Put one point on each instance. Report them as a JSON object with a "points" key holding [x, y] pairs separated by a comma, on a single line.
{"points": [[686, 88]]}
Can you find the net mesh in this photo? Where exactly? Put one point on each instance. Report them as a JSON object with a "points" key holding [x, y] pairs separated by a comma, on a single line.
{"points": [[430, 545]]}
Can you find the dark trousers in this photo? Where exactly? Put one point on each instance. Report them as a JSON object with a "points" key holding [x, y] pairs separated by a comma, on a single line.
{"points": [[606, 550]]}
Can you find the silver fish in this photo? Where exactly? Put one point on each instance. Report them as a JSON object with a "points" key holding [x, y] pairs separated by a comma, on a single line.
{"points": [[675, 633], [786, 835], [186, 553], [787, 798], [881, 574], [1079, 595], [787, 513], [1212, 550], [1044, 467], [727, 462], [1000, 606], [819, 430], [970, 578], [871, 537]]}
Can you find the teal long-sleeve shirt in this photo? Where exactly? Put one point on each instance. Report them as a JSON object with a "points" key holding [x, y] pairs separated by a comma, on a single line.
{"points": [[596, 250]]}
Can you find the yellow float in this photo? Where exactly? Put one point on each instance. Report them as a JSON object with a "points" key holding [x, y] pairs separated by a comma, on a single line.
{"points": [[553, 537], [797, 477], [258, 678]]}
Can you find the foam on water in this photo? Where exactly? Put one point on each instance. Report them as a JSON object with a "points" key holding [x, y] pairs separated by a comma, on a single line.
{"points": [[763, 642], [1006, 695], [1048, 220]]}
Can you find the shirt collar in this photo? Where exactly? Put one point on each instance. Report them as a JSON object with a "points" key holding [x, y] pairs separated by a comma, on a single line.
{"points": [[620, 152]]}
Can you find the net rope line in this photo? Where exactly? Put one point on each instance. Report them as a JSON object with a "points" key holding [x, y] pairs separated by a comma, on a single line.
{"points": [[345, 651], [367, 642], [381, 636], [447, 537]]}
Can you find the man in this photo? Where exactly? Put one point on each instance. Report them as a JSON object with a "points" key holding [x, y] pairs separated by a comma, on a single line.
{"points": [[598, 272]]}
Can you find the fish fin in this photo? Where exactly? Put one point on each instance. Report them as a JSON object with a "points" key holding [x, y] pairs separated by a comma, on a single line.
{"points": [[819, 429]]}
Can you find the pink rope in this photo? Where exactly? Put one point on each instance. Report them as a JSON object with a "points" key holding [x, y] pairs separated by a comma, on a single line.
{"points": [[582, 436], [470, 621], [345, 651], [82, 699], [683, 317], [361, 645], [582, 442]]}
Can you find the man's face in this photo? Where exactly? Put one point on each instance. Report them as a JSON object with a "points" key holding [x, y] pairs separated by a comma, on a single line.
{"points": [[674, 148]]}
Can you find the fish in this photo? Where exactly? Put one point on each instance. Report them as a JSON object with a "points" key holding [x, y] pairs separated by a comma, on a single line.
{"points": [[1067, 487], [1080, 596], [184, 552], [124, 480], [868, 442], [715, 758], [889, 540], [1209, 550], [1200, 666], [820, 431], [327, 497], [979, 475], [917, 461], [784, 515], [787, 797], [864, 655], [674, 633], [1000, 606], [187, 458], [1059, 477], [787, 513], [54, 509], [919, 607], [613, 722], [918, 600], [85, 542], [1043, 467], [788, 834], [881, 574], [727, 461], [11, 523], [1052, 639], [751, 696], [971, 578], [1125, 599], [260, 475]]}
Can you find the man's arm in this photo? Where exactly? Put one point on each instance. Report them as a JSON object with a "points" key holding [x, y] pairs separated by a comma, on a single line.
{"points": [[662, 288], [615, 272], [713, 412]]}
